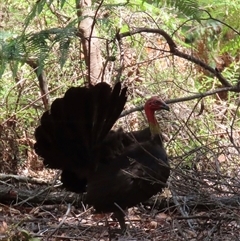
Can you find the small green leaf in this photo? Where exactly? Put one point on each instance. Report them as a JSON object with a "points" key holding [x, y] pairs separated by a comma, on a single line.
{"points": [[124, 28]]}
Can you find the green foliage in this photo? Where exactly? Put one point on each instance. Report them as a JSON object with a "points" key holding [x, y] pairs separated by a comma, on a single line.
{"points": [[232, 72], [190, 8], [232, 46], [39, 45], [218, 27], [36, 45], [37, 9]]}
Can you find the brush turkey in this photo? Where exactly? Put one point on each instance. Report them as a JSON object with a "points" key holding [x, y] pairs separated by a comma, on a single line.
{"points": [[116, 169]]}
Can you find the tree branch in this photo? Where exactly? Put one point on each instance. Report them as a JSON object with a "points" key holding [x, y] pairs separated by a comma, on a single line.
{"points": [[173, 50], [42, 80], [22, 179], [183, 99]]}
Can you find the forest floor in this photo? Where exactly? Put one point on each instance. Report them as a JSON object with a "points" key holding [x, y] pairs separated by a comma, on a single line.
{"points": [[37, 208]]}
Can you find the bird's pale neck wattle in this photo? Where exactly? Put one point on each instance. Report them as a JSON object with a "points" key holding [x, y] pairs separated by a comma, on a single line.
{"points": [[153, 124]]}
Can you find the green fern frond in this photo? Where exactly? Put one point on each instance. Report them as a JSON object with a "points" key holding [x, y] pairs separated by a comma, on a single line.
{"points": [[36, 45], [190, 8], [64, 46], [36, 10]]}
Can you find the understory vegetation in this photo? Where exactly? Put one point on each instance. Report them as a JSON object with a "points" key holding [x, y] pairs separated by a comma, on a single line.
{"points": [[187, 52]]}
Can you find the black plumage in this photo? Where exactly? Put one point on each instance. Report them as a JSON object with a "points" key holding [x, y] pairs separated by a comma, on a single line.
{"points": [[114, 168]]}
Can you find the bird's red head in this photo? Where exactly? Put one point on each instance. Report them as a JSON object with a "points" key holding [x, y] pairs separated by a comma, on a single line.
{"points": [[155, 103], [151, 105]]}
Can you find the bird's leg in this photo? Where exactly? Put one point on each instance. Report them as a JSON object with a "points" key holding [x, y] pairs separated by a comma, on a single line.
{"points": [[119, 215]]}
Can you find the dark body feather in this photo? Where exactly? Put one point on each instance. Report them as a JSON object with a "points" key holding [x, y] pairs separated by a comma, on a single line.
{"points": [[112, 167], [130, 178]]}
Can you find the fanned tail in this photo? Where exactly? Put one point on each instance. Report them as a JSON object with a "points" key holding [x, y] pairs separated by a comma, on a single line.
{"points": [[77, 123]]}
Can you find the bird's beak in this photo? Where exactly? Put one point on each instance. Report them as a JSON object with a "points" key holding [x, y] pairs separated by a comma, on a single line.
{"points": [[165, 106]]}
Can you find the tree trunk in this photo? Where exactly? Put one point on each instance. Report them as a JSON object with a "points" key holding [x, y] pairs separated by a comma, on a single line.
{"points": [[89, 40]]}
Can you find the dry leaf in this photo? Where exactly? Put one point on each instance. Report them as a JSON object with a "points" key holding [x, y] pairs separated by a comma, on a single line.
{"points": [[222, 158], [3, 227]]}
